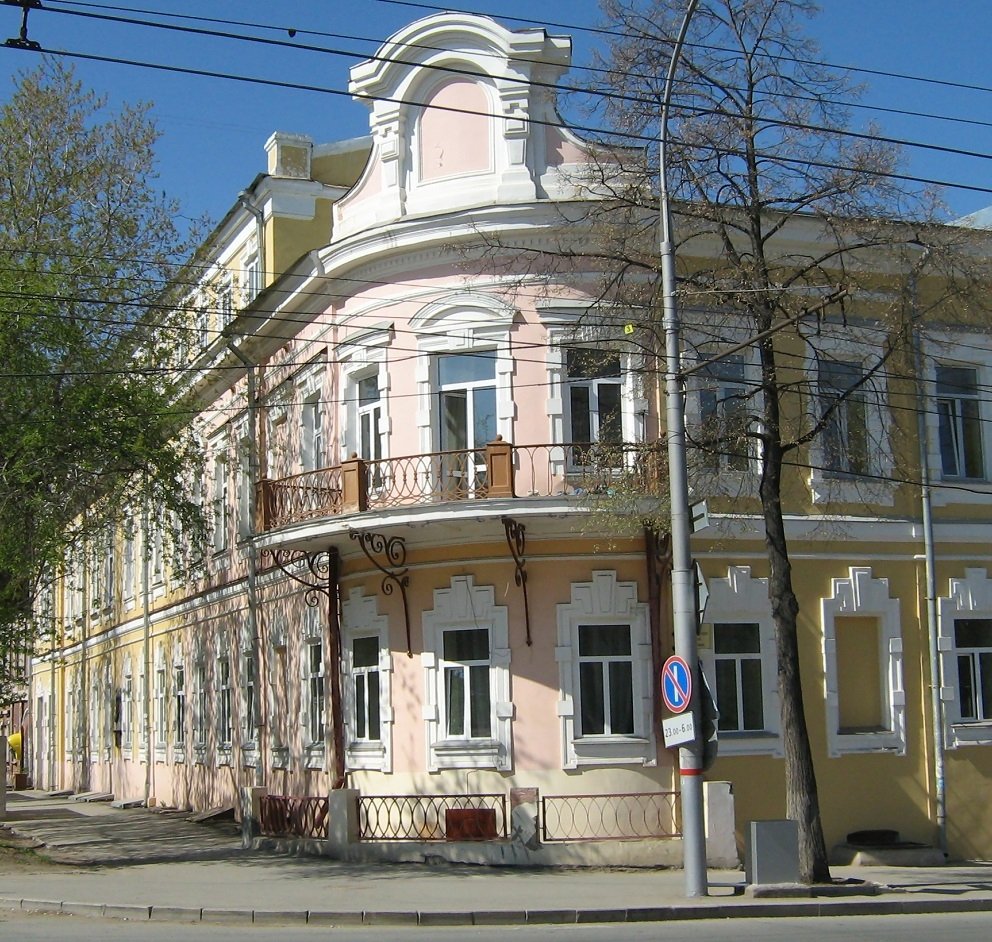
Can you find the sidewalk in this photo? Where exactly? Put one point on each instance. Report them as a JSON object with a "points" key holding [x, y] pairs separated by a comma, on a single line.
{"points": [[139, 864]]}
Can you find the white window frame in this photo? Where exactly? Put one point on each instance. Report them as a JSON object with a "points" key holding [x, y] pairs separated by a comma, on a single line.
{"points": [[606, 601], [248, 692], [829, 486], [313, 415], [220, 498], [161, 705], [224, 708], [363, 354], [742, 598], [861, 595], [313, 711], [360, 618], [127, 709], [180, 709], [967, 597], [981, 415], [201, 706], [462, 323], [465, 605]]}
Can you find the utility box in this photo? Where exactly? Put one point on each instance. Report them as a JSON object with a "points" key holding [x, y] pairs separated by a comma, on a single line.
{"points": [[772, 852]]}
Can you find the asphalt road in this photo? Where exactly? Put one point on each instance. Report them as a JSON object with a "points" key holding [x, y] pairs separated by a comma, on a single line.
{"points": [[948, 927]]}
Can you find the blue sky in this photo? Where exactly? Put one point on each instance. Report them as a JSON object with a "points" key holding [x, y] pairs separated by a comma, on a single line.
{"points": [[214, 130]]}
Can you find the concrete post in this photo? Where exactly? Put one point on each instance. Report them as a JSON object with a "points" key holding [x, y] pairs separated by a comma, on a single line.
{"points": [[721, 838], [251, 812], [342, 820]]}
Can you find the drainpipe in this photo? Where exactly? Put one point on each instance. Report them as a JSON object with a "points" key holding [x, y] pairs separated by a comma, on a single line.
{"points": [[256, 719], [936, 706], [146, 619]]}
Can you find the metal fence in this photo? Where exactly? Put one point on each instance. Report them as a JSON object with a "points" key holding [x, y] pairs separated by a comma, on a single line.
{"points": [[286, 816], [432, 817], [625, 817]]}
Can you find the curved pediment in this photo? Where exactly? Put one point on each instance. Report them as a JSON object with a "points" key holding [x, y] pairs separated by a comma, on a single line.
{"points": [[462, 115]]}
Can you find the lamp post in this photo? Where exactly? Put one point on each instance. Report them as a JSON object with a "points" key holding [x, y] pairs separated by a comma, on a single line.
{"points": [[683, 587]]}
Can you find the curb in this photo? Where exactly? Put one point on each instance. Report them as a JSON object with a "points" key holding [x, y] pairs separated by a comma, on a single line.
{"points": [[674, 913]]}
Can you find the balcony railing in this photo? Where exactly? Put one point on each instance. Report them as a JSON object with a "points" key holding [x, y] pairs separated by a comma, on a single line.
{"points": [[498, 470]]}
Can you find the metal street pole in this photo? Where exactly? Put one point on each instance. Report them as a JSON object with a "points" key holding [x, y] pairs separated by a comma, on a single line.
{"points": [[683, 585]]}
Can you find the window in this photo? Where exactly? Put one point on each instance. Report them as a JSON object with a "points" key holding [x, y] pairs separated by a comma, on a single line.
{"points": [[737, 659], [959, 423], [863, 666], [127, 711], [723, 415], [253, 278], [594, 397], [366, 691], [312, 434], [248, 697], [365, 680], [314, 655], [179, 705], [606, 680], [144, 708], [225, 729], [200, 713], [220, 503], [973, 642], [129, 554], [370, 425], [604, 665], [845, 437], [466, 659], [467, 417], [965, 642], [161, 711], [465, 670]]}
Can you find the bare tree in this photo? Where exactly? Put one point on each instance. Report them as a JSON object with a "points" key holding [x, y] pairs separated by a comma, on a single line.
{"points": [[793, 228]]}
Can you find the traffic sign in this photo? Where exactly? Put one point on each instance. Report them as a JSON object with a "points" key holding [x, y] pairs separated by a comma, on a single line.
{"points": [[676, 684]]}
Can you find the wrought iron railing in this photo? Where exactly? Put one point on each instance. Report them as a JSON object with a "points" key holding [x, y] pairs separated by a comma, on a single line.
{"points": [[432, 817], [624, 817], [305, 496], [288, 816], [596, 471]]}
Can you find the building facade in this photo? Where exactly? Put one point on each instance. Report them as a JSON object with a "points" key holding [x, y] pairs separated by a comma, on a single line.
{"points": [[416, 592]]}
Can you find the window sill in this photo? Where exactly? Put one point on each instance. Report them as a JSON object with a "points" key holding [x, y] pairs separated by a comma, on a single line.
{"points": [[748, 743], [842, 744], [313, 756], [366, 754], [978, 733], [280, 757], [469, 754], [613, 750]]}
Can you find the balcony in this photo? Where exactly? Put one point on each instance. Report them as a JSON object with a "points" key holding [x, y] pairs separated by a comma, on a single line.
{"points": [[500, 470]]}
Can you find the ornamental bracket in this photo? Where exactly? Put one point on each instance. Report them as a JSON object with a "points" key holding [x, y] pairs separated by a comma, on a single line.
{"points": [[320, 567], [388, 555], [516, 540]]}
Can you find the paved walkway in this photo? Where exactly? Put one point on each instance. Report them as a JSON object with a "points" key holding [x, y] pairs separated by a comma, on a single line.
{"points": [[140, 864]]}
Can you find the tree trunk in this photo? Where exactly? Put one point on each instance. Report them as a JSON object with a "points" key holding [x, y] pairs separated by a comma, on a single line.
{"points": [[802, 801]]}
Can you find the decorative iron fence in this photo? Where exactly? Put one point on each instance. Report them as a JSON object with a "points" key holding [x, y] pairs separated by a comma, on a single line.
{"points": [[286, 816], [432, 817], [305, 496], [627, 817], [596, 471]]}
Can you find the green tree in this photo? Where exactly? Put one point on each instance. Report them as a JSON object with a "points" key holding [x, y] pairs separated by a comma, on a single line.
{"points": [[88, 249]]}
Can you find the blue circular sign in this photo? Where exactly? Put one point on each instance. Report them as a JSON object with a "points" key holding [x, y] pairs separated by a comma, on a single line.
{"points": [[676, 684]]}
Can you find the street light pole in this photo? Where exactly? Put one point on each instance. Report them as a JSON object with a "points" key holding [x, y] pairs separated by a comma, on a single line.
{"points": [[683, 584]]}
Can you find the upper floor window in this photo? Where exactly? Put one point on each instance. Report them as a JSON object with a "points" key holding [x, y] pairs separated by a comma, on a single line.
{"points": [[594, 395], [369, 418], [221, 509], [723, 415], [843, 400], [225, 304], [312, 434], [959, 423], [466, 416], [253, 278]]}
